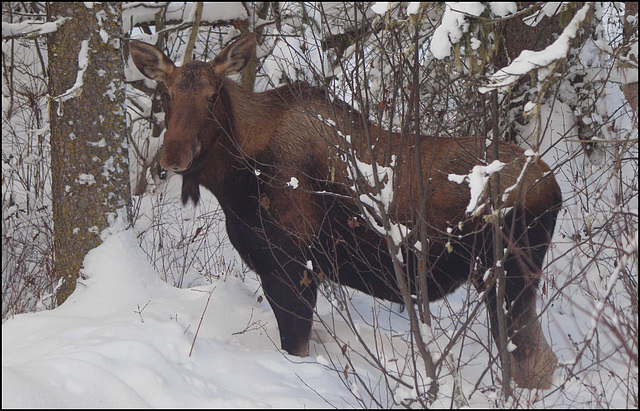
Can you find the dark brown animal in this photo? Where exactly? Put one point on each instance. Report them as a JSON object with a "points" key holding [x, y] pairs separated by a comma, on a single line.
{"points": [[245, 148]]}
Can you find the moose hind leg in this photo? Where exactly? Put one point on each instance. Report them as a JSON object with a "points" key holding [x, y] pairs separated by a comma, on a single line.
{"points": [[293, 303], [533, 362]]}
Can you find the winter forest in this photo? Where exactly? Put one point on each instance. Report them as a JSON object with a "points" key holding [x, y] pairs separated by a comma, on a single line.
{"points": [[116, 292]]}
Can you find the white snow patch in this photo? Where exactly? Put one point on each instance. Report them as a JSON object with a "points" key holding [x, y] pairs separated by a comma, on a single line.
{"points": [[477, 180], [31, 27], [380, 7], [503, 9], [413, 7], [293, 183], [87, 179], [76, 89], [454, 25]]}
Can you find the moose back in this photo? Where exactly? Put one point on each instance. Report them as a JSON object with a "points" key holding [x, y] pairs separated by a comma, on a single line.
{"points": [[272, 160]]}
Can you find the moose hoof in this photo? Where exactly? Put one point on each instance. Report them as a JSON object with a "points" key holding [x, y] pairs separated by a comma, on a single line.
{"points": [[302, 350], [536, 370]]}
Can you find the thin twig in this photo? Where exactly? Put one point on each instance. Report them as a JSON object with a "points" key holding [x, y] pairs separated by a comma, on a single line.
{"points": [[200, 323]]}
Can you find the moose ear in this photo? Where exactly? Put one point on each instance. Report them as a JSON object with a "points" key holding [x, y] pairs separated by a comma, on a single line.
{"points": [[233, 58], [150, 61]]}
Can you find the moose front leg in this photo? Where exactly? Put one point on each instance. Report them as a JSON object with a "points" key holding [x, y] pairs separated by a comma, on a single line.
{"points": [[293, 300]]}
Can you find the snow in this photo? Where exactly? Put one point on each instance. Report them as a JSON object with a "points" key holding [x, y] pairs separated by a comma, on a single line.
{"points": [[553, 137], [477, 179], [413, 7], [454, 25], [223, 11], [293, 183], [529, 107], [31, 27], [136, 13], [503, 9], [123, 339], [380, 7], [83, 64], [87, 179]]}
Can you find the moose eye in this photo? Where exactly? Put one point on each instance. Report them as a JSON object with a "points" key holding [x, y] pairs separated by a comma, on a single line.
{"points": [[166, 97], [213, 99]]}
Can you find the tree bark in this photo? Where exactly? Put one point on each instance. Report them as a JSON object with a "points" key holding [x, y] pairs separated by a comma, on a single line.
{"points": [[89, 152]]}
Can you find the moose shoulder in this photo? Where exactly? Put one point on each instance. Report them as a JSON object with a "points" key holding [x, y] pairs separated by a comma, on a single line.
{"points": [[272, 159]]}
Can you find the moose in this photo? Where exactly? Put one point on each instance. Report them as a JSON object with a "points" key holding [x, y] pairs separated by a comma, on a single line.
{"points": [[273, 161]]}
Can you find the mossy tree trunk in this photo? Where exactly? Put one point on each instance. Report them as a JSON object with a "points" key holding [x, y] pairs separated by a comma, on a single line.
{"points": [[89, 154]]}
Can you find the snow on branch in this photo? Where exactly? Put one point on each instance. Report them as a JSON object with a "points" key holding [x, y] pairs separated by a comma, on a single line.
{"points": [[135, 14], [375, 186], [380, 180], [454, 25], [30, 28], [76, 89], [529, 60], [477, 180]]}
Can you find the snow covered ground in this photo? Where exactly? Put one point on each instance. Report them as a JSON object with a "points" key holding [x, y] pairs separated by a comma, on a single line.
{"points": [[123, 340]]}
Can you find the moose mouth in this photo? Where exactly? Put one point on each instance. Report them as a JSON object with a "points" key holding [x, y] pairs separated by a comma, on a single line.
{"points": [[188, 169], [176, 164], [195, 165]]}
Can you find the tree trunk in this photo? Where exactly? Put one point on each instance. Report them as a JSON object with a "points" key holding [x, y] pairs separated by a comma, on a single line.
{"points": [[89, 154]]}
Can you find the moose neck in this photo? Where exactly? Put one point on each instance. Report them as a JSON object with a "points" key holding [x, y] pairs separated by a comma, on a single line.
{"points": [[252, 116]]}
